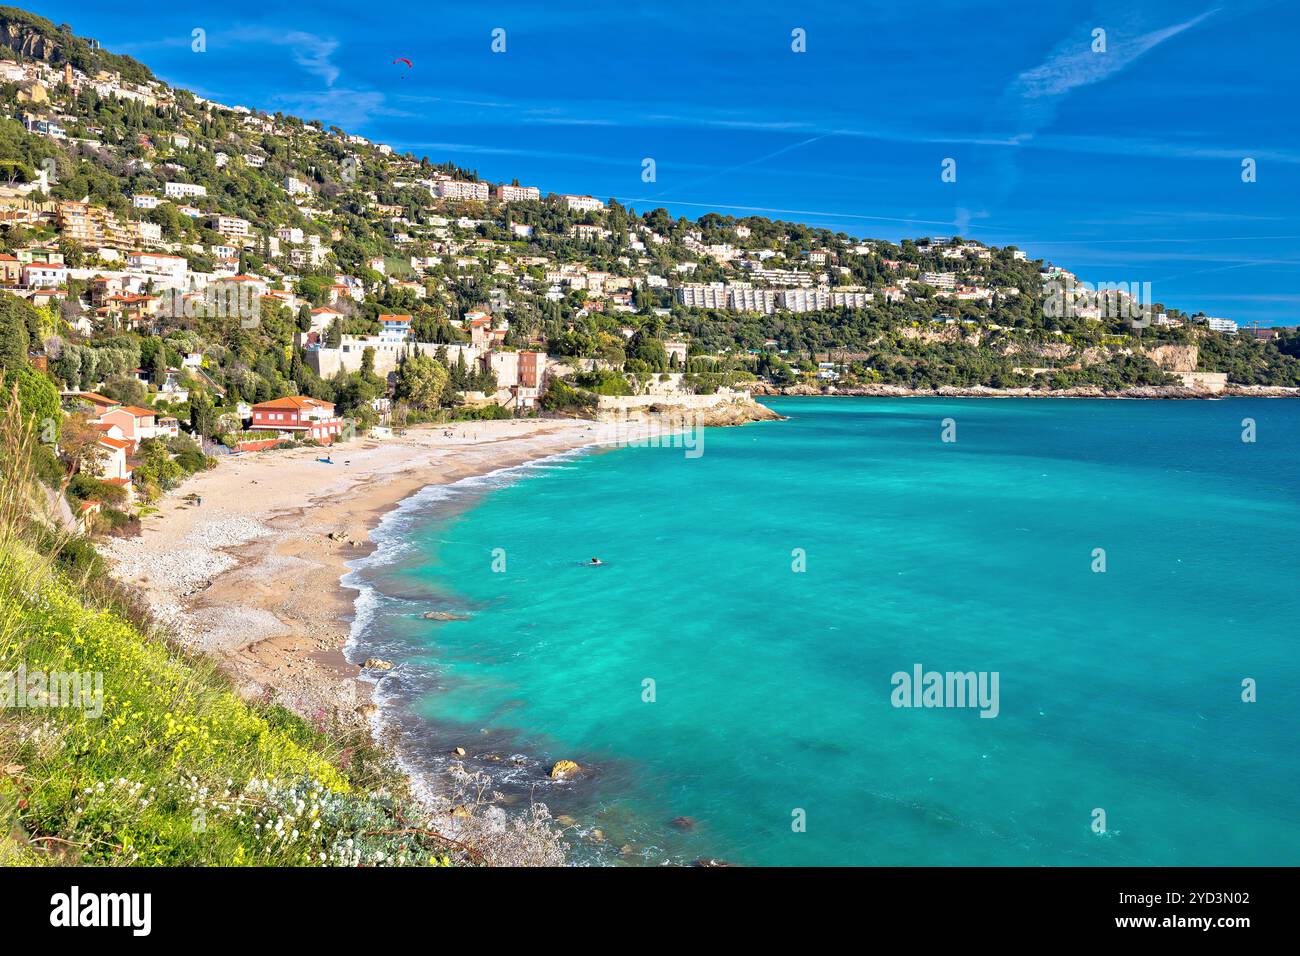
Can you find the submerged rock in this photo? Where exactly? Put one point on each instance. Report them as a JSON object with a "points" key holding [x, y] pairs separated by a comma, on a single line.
{"points": [[683, 823], [445, 616], [563, 769]]}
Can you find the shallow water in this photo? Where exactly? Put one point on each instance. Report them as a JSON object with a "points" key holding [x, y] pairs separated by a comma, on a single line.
{"points": [[1119, 691]]}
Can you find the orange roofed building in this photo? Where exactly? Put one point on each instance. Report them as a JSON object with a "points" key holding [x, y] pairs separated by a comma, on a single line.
{"points": [[311, 417]]}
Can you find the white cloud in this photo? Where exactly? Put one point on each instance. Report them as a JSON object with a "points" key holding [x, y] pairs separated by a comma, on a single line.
{"points": [[311, 52], [1075, 64]]}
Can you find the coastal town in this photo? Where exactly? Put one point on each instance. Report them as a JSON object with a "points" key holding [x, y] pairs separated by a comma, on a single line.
{"points": [[197, 279]]}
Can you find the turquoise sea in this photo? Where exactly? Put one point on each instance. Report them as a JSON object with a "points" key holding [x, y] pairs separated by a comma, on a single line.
{"points": [[1119, 691]]}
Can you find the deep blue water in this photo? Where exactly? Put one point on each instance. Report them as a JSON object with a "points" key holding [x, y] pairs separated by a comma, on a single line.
{"points": [[1119, 691]]}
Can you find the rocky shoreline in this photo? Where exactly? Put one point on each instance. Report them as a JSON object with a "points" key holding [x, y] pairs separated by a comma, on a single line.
{"points": [[982, 391]]}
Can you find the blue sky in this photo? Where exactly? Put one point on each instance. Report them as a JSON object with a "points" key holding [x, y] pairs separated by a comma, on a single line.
{"points": [[1123, 165]]}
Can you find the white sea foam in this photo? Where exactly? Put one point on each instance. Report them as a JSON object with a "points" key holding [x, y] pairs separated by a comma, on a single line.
{"points": [[391, 534]]}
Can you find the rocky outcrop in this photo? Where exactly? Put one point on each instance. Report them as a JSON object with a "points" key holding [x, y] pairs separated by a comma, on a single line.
{"points": [[945, 333], [1174, 358], [737, 413], [564, 769], [721, 409], [377, 664], [32, 45]]}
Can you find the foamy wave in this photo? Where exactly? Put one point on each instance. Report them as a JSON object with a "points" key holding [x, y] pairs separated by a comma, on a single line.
{"points": [[391, 534]]}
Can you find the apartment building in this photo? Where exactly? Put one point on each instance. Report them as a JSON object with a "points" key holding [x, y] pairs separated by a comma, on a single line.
{"points": [[460, 189], [742, 297], [183, 190], [232, 227], [702, 295], [1227, 326], [582, 203], [94, 226], [518, 193], [947, 281]]}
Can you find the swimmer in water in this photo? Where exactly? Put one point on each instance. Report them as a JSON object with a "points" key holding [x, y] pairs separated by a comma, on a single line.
{"points": [[595, 561]]}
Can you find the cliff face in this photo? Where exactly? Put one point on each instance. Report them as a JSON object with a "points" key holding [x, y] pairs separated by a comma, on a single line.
{"points": [[1174, 358], [29, 43]]}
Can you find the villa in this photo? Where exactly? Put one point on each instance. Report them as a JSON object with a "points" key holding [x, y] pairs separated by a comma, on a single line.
{"points": [[309, 417]]}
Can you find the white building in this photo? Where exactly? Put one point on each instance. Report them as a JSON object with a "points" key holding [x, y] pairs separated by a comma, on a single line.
{"points": [[158, 263], [804, 300], [41, 275], [701, 295], [742, 297], [183, 190], [946, 281], [582, 203], [1227, 326], [518, 193], [850, 300], [232, 227], [458, 189]]}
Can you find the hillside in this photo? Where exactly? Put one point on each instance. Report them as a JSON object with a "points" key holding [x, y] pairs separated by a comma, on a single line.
{"points": [[323, 219]]}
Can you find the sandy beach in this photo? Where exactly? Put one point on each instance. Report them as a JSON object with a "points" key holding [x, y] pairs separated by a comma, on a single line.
{"points": [[252, 574]]}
